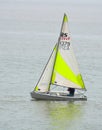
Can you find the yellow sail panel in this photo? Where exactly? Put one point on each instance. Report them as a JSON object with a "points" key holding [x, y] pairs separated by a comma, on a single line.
{"points": [[65, 19], [80, 80], [36, 88], [62, 68]]}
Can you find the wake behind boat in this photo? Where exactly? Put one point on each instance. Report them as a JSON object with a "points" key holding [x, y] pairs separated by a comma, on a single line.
{"points": [[61, 70]]}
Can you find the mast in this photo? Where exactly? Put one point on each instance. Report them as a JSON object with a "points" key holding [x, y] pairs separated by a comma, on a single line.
{"points": [[57, 47]]}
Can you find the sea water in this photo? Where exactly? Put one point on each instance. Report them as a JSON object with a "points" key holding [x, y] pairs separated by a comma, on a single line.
{"points": [[29, 30]]}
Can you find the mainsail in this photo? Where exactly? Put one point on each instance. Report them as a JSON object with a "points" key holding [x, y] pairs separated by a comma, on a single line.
{"points": [[62, 68]]}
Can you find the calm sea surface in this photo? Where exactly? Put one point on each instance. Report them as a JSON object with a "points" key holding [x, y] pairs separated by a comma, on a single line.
{"points": [[28, 32]]}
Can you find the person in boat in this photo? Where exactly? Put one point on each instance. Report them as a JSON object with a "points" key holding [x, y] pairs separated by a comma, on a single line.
{"points": [[71, 91]]}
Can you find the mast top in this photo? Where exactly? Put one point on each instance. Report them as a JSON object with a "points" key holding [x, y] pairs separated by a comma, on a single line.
{"points": [[65, 19]]}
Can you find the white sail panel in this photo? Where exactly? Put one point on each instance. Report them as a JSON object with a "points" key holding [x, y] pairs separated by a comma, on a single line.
{"points": [[69, 57], [66, 48], [44, 82]]}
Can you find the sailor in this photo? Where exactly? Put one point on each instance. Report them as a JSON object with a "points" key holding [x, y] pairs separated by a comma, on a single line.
{"points": [[71, 91]]}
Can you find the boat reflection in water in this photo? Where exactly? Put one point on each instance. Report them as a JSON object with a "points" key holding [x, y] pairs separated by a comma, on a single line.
{"points": [[65, 115]]}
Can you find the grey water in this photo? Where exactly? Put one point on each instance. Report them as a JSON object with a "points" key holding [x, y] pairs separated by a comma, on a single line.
{"points": [[29, 30]]}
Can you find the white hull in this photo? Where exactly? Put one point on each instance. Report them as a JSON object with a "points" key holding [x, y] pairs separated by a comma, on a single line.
{"points": [[57, 96]]}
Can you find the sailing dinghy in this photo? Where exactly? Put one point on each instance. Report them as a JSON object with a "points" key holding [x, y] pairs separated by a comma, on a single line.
{"points": [[61, 70]]}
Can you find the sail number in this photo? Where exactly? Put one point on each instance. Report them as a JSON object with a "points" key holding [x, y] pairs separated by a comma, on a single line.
{"points": [[64, 41], [65, 45]]}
